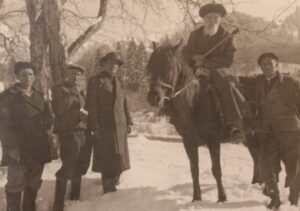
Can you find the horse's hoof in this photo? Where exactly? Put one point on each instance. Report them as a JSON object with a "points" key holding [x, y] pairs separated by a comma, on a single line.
{"points": [[222, 198], [197, 198]]}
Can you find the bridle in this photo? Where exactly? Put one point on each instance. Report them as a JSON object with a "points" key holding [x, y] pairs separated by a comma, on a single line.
{"points": [[172, 87]]}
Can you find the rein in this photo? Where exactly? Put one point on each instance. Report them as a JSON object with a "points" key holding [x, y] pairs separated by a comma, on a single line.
{"points": [[175, 93]]}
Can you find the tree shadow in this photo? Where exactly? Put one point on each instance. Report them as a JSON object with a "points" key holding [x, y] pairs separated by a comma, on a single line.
{"points": [[133, 199], [186, 190]]}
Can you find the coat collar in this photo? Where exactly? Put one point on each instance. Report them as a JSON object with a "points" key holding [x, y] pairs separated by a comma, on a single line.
{"points": [[36, 99], [262, 79], [70, 88]]}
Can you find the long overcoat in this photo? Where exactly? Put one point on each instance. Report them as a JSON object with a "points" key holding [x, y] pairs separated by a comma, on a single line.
{"points": [[29, 121], [108, 113]]}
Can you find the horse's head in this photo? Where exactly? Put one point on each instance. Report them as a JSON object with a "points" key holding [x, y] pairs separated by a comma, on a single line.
{"points": [[163, 71]]}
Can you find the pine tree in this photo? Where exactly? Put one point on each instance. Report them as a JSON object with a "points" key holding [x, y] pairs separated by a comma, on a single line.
{"points": [[141, 66], [130, 76]]}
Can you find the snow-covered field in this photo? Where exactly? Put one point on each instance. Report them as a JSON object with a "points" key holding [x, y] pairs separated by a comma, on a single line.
{"points": [[159, 180]]}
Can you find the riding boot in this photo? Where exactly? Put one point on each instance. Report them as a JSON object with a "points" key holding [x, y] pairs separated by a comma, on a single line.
{"points": [[75, 189], [294, 196], [274, 195], [29, 197], [13, 201], [60, 190]]}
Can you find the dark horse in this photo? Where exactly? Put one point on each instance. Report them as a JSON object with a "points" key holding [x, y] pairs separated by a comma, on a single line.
{"points": [[190, 103]]}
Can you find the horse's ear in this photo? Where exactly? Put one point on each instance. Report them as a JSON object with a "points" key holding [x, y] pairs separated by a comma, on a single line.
{"points": [[175, 47], [154, 45]]}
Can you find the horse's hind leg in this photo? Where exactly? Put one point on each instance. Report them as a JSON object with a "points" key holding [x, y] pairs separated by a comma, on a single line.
{"points": [[214, 149], [192, 152]]}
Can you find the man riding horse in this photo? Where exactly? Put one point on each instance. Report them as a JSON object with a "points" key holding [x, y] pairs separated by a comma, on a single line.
{"points": [[210, 52]]}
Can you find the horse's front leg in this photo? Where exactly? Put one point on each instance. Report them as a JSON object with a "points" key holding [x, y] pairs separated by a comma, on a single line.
{"points": [[254, 148], [192, 152], [214, 150]]}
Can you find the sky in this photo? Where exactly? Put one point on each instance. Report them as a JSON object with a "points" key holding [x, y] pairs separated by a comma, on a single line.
{"points": [[267, 8], [261, 8], [155, 25]]}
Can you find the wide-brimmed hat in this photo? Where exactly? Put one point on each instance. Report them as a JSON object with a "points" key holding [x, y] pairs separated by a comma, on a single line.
{"points": [[112, 56], [75, 67], [212, 8], [265, 55], [23, 65]]}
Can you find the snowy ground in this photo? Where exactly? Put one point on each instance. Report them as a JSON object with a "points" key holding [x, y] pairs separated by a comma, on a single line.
{"points": [[160, 180]]}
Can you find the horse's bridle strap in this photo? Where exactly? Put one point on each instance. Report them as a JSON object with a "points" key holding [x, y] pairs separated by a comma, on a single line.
{"points": [[175, 94], [164, 84]]}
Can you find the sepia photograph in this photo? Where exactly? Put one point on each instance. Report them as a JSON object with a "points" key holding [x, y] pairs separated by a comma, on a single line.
{"points": [[149, 105]]}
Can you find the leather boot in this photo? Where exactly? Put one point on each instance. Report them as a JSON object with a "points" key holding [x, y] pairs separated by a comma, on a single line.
{"points": [[274, 194], [294, 196], [109, 185], [13, 201], [60, 190], [75, 189], [29, 197]]}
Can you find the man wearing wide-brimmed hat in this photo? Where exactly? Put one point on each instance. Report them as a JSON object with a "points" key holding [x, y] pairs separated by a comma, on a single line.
{"points": [[109, 122], [68, 102], [214, 66]]}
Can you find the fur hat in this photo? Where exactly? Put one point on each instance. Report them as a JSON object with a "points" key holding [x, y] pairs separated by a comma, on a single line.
{"points": [[212, 8]]}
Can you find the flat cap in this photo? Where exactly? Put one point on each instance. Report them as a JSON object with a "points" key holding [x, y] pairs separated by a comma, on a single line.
{"points": [[22, 65], [75, 67], [265, 55]]}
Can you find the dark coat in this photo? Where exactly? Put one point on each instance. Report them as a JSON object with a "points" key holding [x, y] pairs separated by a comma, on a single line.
{"points": [[289, 92], [109, 114], [29, 121], [7, 135], [66, 103], [75, 148], [198, 43]]}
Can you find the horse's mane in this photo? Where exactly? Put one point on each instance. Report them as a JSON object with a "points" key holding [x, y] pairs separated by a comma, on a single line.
{"points": [[163, 57]]}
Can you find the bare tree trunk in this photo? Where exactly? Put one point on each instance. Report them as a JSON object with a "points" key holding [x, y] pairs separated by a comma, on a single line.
{"points": [[38, 42], [56, 50], [44, 19], [38, 45]]}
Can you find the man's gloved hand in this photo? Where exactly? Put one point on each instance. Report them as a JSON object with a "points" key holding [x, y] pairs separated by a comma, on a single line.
{"points": [[198, 59], [15, 154]]}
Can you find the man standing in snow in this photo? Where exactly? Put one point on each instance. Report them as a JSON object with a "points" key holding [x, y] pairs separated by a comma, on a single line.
{"points": [[25, 123], [109, 122], [277, 99], [68, 102], [215, 66]]}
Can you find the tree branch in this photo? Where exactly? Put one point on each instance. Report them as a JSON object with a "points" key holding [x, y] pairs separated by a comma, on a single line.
{"points": [[90, 31]]}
